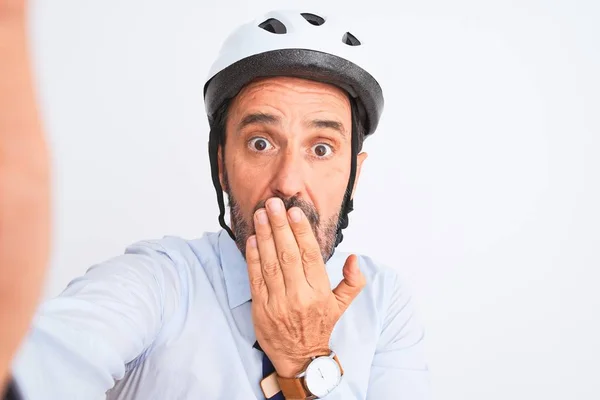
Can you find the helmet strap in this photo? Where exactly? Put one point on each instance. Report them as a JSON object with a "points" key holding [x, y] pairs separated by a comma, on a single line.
{"points": [[348, 203], [213, 154]]}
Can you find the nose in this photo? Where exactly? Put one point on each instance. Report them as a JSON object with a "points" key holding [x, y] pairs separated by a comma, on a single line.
{"points": [[288, 180]]}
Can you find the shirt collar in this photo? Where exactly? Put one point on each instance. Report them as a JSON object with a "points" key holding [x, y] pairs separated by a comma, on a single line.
{"points": [[235, 270]]}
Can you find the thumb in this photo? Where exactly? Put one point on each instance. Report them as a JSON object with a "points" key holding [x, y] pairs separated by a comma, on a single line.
{"points": [[352, 284]]}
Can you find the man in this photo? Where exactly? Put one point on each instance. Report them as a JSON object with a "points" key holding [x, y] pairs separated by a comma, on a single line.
{"points": [[24, 187], [265, 308]]}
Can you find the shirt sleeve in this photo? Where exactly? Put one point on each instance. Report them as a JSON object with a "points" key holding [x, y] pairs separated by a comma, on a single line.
{"points": [[83, 340], [399, 370]]}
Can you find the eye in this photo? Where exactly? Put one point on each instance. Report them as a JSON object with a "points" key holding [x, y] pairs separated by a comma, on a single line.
{"points": [[322, 150], [259, 144]]}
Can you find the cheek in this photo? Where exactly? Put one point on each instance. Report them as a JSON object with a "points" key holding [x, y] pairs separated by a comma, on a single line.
{"points": [[248, 182], [327, 186]]}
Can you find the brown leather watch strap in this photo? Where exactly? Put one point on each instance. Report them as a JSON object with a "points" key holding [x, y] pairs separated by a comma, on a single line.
{"points": [[294, 389], [270, 386]]}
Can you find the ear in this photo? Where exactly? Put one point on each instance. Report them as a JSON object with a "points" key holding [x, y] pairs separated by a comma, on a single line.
{"points": [[220, 163], [359, 162]]}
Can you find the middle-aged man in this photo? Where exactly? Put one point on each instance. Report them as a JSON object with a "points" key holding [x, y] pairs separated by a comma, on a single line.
{"points": [[266, 307]]}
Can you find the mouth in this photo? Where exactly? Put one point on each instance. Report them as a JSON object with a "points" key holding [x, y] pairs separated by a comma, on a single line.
{"points": [[307, 208]]}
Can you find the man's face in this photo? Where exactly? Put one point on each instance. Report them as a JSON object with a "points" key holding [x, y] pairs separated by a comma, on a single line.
{"points": [[288, 138]]}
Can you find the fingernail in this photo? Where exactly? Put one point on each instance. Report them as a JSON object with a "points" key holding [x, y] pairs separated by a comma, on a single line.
{"points": [[274, 205], [252, 241], [261, 217], [295, 215]]}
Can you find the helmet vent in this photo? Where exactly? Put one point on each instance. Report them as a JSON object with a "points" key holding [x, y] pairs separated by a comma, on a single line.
{"points": [[313, 19], [350, 39], [274, 26]]}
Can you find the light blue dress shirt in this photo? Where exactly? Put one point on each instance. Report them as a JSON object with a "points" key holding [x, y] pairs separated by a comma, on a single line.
{"points": [[171, 319]]}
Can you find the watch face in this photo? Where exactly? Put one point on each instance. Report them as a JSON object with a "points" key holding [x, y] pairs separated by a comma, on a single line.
{"points": [[322, 376]]}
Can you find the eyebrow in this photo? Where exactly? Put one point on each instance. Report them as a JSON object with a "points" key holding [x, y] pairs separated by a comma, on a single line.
{"points": [[328, 124], [270, 119], [259, 118]]}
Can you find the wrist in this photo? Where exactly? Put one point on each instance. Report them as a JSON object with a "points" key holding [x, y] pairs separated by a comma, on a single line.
{"points": [[292, 368], [295, 366]]}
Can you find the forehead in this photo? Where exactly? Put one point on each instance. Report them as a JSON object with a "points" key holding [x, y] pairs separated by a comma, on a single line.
{"points": [[291, 94]]}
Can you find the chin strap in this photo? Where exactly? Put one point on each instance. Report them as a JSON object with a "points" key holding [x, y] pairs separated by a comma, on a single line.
{"points": [[213, 154], [348, 203]]}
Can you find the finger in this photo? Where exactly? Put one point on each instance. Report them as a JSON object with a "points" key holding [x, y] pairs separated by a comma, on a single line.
{"points": [[352, 284], [288, 253], [258, 288], [269, 262], [310, 251]]}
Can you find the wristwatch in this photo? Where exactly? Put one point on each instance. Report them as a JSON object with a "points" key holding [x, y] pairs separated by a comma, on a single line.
{"points": [[321, 376]]}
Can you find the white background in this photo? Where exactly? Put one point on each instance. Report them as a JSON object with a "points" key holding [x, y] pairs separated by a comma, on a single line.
{"points": [[482, 185]]}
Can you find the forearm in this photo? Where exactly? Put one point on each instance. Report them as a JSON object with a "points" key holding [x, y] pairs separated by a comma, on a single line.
{"points": [[82, 341], [24, 186]]}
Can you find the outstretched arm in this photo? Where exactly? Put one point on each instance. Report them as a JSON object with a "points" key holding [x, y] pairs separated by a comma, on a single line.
{"points": [[24, 186]]}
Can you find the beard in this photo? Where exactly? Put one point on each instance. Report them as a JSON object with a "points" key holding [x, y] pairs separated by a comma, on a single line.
{"points": [[325, 231]]}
